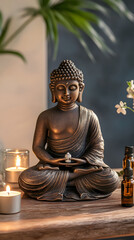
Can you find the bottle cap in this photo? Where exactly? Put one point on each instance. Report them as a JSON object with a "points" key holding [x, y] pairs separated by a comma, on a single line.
{"points": [[128, 171], [129, 150]]}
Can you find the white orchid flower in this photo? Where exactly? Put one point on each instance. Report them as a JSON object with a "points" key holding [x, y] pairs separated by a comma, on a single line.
{"points": [[121, 108], [130, 89]]}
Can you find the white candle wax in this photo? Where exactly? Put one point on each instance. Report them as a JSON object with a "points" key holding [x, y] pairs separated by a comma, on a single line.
{"points": [[10, 202], [12, 174]]}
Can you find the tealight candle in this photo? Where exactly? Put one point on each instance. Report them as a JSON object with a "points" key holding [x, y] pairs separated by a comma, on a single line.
{"points": [[14, 162], [12, 173], [10, 201]]}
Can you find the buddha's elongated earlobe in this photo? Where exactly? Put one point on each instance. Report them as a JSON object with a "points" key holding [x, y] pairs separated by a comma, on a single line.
{"points": [[81, 88], [54, 100], [52, 92]]}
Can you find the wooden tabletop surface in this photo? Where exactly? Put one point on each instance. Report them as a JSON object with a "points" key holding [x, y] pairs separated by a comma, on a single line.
{"points": [[68, 220]]}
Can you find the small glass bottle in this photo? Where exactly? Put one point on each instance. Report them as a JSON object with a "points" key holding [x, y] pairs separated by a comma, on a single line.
{"points": [[127, 186], [129, 150]]}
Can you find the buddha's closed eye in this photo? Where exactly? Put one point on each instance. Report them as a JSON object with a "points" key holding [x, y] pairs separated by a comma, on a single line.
{"points": [[72, 87], [60, 88]]}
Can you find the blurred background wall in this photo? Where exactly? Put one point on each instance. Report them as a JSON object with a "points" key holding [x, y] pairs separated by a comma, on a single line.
{"points": [[105, 82], [23, 90], [23, 87]]}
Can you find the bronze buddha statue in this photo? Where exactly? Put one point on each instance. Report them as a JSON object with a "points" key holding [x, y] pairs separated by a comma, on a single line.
{"points": [[69, 145]]}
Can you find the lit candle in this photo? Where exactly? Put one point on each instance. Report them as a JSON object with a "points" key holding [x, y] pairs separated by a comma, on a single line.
{"points": [[12, 173], [10, 201]]}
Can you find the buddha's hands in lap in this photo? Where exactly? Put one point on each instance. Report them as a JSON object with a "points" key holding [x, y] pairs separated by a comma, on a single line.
{"points": [[72, 162], [75, 162], [62, 162], [90, 169], [54, 162]]}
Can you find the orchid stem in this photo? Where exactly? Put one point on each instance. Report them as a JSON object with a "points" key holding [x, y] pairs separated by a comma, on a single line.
{"points": [[130, 108]]}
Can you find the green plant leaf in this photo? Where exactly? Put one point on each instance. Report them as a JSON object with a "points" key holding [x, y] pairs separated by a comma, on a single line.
{"points": [[49, 26], [129, 83], [5, 30], [76, 16], [43, 3], [44, 15], [15, 33], [64, 21], [30, 12], [65, 4], [106, 29], [16, 53], [98, 40], [91, 17], [85, 26], [95, 6], [94, 19], [83, 43], [1, 20], [61, 19], [54, 30], [120, 7]]}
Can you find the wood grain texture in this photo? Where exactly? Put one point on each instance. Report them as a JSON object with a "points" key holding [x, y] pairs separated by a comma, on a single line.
{"points": [[68, 220]]}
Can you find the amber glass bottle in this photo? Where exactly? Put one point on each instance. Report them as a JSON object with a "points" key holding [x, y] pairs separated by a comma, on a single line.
{"points": [[128, 155], [127, 186]]}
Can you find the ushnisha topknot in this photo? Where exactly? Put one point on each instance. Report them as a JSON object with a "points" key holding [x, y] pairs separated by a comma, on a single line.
{"points": [[67, 71]]}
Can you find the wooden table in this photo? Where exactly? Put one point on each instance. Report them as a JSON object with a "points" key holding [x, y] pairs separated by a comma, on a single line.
{"points": [[68, 220]]}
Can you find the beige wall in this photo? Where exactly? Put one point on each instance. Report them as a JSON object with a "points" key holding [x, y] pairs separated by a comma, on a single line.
{"points": [[23, 90]]}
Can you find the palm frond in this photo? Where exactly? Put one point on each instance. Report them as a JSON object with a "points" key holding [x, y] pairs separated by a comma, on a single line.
{"points": [[77, 16], [62, 20], [64, 4], [29, 11], [85, 26], [120, 7], [14, 34], [44, 3], [1, 20], [54, 31], [49, 25], [16, 53], [5, 29], [95, 6], [106, 29], [4, 40], [86, 48]]}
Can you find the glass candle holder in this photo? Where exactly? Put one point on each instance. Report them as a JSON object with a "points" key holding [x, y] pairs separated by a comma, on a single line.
{"points": [[15, 162]]}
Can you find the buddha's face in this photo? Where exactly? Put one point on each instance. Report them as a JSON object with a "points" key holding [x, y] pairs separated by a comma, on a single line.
{"points": [[66, 91]]}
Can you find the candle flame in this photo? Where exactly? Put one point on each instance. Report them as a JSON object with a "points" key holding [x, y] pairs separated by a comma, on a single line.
{"points": [[18, 161], [17, 151], [8, 189]]}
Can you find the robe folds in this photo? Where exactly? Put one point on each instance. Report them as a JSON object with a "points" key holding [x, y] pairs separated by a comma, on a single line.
{"points": [[87, 143]]}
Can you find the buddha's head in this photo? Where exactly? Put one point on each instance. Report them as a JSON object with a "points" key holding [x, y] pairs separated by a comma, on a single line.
{"points": [[66, 83]]}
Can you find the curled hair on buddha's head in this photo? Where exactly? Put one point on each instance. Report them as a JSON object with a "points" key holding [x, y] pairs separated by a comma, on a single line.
{"points": [[67, 71]]}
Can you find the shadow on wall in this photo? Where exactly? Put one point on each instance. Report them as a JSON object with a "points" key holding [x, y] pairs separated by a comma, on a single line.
{"points": [[105, 83]]}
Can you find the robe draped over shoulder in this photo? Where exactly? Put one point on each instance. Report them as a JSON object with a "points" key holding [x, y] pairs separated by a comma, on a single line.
{"points": [[85, 143]]}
